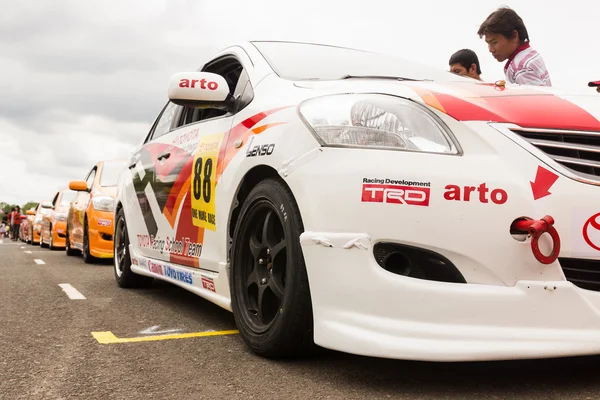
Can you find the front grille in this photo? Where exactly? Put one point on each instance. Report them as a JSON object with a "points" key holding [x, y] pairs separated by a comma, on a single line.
{"points": [[577, 150], [582, 273]]}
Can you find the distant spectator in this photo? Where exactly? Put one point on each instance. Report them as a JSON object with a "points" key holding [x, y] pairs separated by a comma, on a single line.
{"points": [[508, 40], [15, 222], [466, 63]]}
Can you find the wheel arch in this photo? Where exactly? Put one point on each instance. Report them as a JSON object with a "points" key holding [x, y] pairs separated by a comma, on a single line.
{"points": [[252, 177]]}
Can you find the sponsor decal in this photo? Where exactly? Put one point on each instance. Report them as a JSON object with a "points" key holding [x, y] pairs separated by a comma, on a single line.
{"points": [[455, 192], [138, 261], [204, 173], [183, 276], [187, 141], [104, 222], [155, 267], [259, 149], [200, 84], [396, 191], [184, 246], [208, 283], [591, 232]]}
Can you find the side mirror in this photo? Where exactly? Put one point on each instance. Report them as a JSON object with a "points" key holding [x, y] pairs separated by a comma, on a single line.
{"points": [[47, 204], [200, 90], [30, 212], [78, 186]]}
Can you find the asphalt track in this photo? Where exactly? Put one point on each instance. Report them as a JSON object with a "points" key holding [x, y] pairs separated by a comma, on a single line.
{"points": [[80, 340]]}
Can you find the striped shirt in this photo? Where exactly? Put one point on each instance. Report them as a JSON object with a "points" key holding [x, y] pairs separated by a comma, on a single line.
{"points": [[526, 67]]}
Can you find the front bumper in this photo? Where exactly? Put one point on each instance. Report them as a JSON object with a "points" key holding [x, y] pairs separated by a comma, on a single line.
{"points": [[363, 309], [59, 233], [101, 231], [511, 306]]}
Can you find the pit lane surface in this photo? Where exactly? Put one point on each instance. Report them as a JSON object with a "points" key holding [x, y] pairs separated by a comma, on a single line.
{"points": [[47, 349]]}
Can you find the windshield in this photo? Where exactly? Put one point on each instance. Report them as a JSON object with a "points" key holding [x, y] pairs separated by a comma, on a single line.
{"points": [[110, 172], [302, 61], [67, 197]]}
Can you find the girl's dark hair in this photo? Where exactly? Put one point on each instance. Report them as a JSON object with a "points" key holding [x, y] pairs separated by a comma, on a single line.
{"points": [[504, 21]]}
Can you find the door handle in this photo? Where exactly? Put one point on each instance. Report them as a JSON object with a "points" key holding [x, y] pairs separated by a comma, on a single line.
{"points": [[133, 164], [164, 155]]}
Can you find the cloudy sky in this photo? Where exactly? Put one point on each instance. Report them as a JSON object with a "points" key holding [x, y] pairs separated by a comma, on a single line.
{"points": [[83, 81]]}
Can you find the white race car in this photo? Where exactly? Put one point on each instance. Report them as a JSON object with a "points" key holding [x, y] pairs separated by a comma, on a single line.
{"points": [[369, 205]]}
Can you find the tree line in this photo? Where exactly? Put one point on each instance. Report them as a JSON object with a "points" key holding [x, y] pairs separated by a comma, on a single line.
{"points": [[6, 207]]}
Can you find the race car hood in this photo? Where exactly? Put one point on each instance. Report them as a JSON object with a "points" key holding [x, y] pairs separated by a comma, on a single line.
{"points": [[526, 106]]}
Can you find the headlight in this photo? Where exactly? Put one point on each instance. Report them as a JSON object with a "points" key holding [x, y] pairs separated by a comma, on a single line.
{"points": [[61, 216], [103, 203], [376, 121]]}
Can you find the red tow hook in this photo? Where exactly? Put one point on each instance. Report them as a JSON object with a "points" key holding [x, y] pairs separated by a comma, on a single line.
{"points": [[536, 228]]}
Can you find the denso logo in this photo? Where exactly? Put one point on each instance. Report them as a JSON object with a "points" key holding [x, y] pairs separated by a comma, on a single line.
{"points": [[259, 150], [395, 194], [202, 84]]}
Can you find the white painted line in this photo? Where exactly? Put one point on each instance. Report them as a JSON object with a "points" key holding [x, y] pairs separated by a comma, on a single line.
{"points": [[71, 291], [22, 247], [27, 252], [1, 241], [38, 261]]}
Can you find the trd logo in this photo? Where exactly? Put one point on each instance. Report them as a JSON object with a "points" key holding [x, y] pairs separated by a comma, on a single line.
{"points": [[208, 284], [259, 150], [396, 194]]}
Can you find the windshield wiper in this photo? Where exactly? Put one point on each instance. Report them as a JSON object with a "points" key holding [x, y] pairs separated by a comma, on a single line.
{"points": [[394, 78]]}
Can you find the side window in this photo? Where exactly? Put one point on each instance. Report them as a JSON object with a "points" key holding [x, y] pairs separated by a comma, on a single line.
{"points": [[90, 178], [166, 119], [244, 93]]}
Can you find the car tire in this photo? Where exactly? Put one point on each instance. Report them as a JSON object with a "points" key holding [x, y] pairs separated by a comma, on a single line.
{"points": [[87, 256], [51, 243], [281, 325], [68, 249], [122, 259], [42, 244]]}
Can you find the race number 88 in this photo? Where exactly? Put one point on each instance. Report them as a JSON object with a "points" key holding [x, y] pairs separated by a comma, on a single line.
{"points": [[202, 179]]}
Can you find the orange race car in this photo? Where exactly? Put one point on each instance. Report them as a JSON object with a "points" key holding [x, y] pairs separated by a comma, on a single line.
{"points": [[90, 218], [54, 223], [35, 230]]}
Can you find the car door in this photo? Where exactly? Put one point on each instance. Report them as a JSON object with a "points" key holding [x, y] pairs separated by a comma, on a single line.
{"points": [[185, 179], [144, 209], [79, 208]]}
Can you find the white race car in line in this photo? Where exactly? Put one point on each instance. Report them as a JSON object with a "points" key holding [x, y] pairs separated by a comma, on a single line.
{"points": [[369, 205]]}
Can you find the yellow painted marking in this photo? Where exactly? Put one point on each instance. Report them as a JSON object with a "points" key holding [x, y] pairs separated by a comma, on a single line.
{"points": [[109, 337]]}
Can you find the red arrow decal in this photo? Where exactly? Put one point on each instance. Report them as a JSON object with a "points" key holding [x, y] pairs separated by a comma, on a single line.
{"points": [[544, 180]]}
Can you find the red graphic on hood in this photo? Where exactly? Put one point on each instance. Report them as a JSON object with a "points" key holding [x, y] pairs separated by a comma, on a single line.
{"points": [[527, 108], [592, 222]]}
